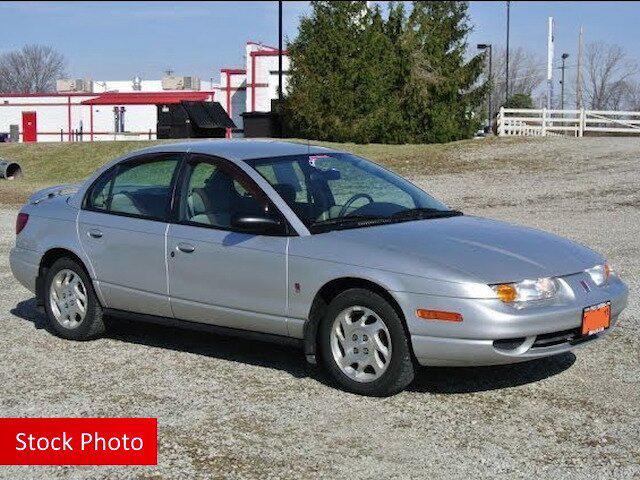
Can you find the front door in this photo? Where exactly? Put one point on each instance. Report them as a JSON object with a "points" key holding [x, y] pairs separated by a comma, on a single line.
{"points": [[218, 275], [122, 228], [29, 127]]}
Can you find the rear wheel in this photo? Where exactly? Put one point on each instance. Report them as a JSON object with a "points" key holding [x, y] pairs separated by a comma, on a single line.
{"points": [[73, 311], [364, 345]]}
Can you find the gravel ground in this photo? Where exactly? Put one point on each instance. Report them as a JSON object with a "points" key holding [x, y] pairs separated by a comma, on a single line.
{"points": [[239, 409]]}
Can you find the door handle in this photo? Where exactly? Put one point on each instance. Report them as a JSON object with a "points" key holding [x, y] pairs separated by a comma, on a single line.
{"points": [[186, 247], [94, 233]]}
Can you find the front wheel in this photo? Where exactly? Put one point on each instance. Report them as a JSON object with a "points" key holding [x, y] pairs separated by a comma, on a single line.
{"points": [[364, 345], [72, 308]]}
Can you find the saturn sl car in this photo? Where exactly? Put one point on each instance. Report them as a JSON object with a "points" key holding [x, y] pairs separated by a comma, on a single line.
{"points": [[305, 245]]}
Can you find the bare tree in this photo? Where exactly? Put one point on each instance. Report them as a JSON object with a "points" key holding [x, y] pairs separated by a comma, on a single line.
{"points": [[33, 68], [526, 73], [608, 71], [632, 96]]}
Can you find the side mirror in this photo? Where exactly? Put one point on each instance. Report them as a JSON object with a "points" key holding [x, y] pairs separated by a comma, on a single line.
{"points": [[258, 224]]}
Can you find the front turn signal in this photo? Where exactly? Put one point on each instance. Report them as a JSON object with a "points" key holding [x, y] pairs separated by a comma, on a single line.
{"points": [[506, 292], [438, 315]]}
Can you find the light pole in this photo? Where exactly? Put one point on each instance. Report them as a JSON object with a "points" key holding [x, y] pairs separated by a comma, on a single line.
{"points": [[564, 57], [487, 47], [280, 68], [506, 87]]}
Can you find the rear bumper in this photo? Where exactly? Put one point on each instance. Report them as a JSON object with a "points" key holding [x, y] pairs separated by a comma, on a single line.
{"points": [[24, 266], [493, 333]]}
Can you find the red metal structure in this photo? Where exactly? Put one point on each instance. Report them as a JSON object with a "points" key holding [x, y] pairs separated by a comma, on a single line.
{"points": [[274, 52], [229, 72]]}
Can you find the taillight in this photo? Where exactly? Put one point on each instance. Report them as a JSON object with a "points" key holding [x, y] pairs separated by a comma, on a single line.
{"points": [[21, 222]]}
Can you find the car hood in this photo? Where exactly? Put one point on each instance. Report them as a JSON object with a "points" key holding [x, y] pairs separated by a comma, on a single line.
{"points": [[486, 250]]}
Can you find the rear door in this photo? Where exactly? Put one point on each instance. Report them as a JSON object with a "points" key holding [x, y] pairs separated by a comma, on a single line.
{"points": [[122, 227], [218, 275]]}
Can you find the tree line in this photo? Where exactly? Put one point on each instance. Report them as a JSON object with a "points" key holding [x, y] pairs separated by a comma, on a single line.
{"points": [[610, 79], [411, 77], [407, 76]]}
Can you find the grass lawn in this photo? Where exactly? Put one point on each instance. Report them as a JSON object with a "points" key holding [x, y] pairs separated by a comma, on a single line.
{"points": [[46, 164]]}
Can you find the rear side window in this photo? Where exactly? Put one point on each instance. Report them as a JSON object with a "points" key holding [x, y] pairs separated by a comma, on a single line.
{"points": [[98, 198], [139, 188]]}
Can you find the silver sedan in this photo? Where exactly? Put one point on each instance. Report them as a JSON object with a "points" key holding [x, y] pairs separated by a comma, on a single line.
{"points": [[309, 246]]}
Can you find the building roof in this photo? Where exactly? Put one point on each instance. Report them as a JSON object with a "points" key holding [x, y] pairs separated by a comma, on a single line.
{"points": [[147, 98], [47, 94]]}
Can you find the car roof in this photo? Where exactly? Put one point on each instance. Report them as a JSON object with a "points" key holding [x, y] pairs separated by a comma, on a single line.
{"points": [[239, 149], [235, 150]]}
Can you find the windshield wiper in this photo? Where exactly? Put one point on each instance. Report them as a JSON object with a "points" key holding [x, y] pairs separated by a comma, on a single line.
{"points": [[366, 220], [349, 220], [424, 213]]}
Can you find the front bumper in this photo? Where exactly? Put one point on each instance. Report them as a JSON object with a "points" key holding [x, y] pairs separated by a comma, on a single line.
{"points": [[493, 333]]}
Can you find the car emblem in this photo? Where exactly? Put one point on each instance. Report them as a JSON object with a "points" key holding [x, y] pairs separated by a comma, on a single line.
{"points": [[585, 286]]}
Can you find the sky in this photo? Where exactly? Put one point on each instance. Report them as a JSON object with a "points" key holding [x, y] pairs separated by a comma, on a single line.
{"points": [[119, 40]]}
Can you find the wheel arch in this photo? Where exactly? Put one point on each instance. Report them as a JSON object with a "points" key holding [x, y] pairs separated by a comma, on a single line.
{"points": [[327, 293], [47, 260]]}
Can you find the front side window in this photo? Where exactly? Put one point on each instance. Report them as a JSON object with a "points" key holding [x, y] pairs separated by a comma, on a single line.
{"points": [[339, 190], [140, 188], [214, 194]]}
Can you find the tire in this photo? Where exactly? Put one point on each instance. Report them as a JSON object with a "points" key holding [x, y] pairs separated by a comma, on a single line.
{"points": [[364, 306], [91, 325]]}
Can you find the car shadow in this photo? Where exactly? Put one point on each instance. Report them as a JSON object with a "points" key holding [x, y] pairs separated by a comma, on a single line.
{"points": [[452, 380], [435, 380]]}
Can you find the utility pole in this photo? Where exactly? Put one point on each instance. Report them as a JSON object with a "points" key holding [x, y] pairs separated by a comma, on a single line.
{"points": [[579, 75], [564, 57], [487, 47], [550, 64], [507, 72], [280, 68]]}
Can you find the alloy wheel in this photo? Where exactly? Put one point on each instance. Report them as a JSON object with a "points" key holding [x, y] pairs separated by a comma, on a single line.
{"points": [[361, 344], [68, 298]]}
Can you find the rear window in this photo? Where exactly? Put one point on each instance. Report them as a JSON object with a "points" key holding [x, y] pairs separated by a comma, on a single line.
{"points": [[139, 188]]}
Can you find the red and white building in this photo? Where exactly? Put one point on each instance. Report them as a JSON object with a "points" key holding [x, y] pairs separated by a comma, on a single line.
{"points": [[127, 110], [252, 88]]}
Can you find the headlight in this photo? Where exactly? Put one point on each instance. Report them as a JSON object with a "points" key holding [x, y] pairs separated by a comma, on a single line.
{"points": [[600, 273], [526, 290]]}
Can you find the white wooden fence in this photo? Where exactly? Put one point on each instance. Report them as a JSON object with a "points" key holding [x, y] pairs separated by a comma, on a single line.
{"points": [[543, 122]]}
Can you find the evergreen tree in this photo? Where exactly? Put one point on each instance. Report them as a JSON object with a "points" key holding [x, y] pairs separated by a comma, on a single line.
{"points": [[519, 100], [322, 100], [358, 77], [443, 100]]}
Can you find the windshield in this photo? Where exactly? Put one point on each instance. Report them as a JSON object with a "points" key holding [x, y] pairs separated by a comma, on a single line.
{"points": [[339, 190]]}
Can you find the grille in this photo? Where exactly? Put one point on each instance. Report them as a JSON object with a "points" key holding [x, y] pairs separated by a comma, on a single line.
{"points": [[556, 338], [508, 343]]}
